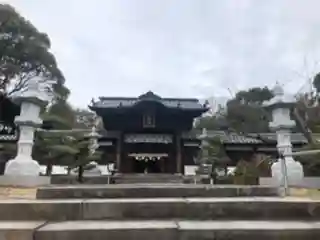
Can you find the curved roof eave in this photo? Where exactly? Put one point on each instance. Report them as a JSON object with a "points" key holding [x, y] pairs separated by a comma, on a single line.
{"points": [[198, 110]]}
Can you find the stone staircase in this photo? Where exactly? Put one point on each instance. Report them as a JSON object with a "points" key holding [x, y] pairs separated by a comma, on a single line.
{"points": [[159, 212]]}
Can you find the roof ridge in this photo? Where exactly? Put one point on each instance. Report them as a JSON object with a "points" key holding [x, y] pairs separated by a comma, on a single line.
{"points": [[162, 99], [117, 98], [181, 99]]}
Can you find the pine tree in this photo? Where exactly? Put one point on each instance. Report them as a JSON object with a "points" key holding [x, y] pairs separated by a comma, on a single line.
{"points": [[83, 158], [56, 148]]}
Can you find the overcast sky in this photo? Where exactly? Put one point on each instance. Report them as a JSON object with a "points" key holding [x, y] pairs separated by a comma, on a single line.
{"points": [[178, 48]]}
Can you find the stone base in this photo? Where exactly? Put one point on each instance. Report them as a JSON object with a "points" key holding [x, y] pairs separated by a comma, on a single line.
{"points": [[295, 173], [24, 181], [22, 166]]}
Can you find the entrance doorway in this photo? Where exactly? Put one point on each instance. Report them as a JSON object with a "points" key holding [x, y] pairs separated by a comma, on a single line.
{"points": [[146, 166], [147, 163]]}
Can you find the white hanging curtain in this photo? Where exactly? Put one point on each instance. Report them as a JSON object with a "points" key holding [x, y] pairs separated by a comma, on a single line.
{"points": [[148, 156]]}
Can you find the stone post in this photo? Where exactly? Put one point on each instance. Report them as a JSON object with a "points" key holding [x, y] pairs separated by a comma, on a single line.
{"points": [[286, 171], [23, 170]]}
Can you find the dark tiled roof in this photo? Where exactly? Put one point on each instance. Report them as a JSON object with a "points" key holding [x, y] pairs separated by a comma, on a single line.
{"points": [[295, 137], [115, 102], [253, 138], [226, 137], [148, 138]]}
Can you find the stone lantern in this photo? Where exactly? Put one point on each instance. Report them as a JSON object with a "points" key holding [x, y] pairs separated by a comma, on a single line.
{"points": [[23, 168], [93, 146], [204, 144], [204, 167], [93, 136], [286, 171]]}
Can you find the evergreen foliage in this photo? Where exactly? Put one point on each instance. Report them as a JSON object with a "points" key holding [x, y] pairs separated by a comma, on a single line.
{"points": [[24, 54]]}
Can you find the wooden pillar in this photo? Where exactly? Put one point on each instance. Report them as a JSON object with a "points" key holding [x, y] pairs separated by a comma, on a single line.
{"points": [[3, 161], [178, 153], [118, 153], [162, 164]]}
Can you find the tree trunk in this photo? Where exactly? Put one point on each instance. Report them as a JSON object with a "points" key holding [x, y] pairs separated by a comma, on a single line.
{"points": [[214, 173], [303, 126], [3, 161], [49, 168], [80, 174]]}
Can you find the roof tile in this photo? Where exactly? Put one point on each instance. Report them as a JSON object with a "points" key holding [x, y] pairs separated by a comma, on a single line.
{"points": [[185, 103]]}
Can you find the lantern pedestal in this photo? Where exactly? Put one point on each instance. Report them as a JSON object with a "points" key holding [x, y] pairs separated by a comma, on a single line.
{"points": [[294, 172], [286, 165], [23, 171], [22, 166]]}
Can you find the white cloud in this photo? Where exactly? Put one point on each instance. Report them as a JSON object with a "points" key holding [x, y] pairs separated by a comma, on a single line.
{"points": [[181, 48]]}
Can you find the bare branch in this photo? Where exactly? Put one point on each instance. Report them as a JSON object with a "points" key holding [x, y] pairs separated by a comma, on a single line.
{"points": [[21, 83]]}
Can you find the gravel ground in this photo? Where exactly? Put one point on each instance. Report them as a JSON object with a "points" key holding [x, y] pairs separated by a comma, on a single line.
{"points": [[17, 193], [30, 193]]}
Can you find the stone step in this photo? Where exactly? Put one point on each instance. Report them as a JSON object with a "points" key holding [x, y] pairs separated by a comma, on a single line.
{"points": [[147, 178], [152, 191], [179, 230], [19, 230], [120, 179], [245, 208]]}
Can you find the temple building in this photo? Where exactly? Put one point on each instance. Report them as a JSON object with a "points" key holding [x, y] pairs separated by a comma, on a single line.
{"points": [[149, 134], [244, 146]]}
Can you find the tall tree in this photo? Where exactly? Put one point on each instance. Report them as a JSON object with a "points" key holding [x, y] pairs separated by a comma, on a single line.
{"points": [[254, 95], [217, 121], [24, 54], [244, 113], [60, 115]]}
